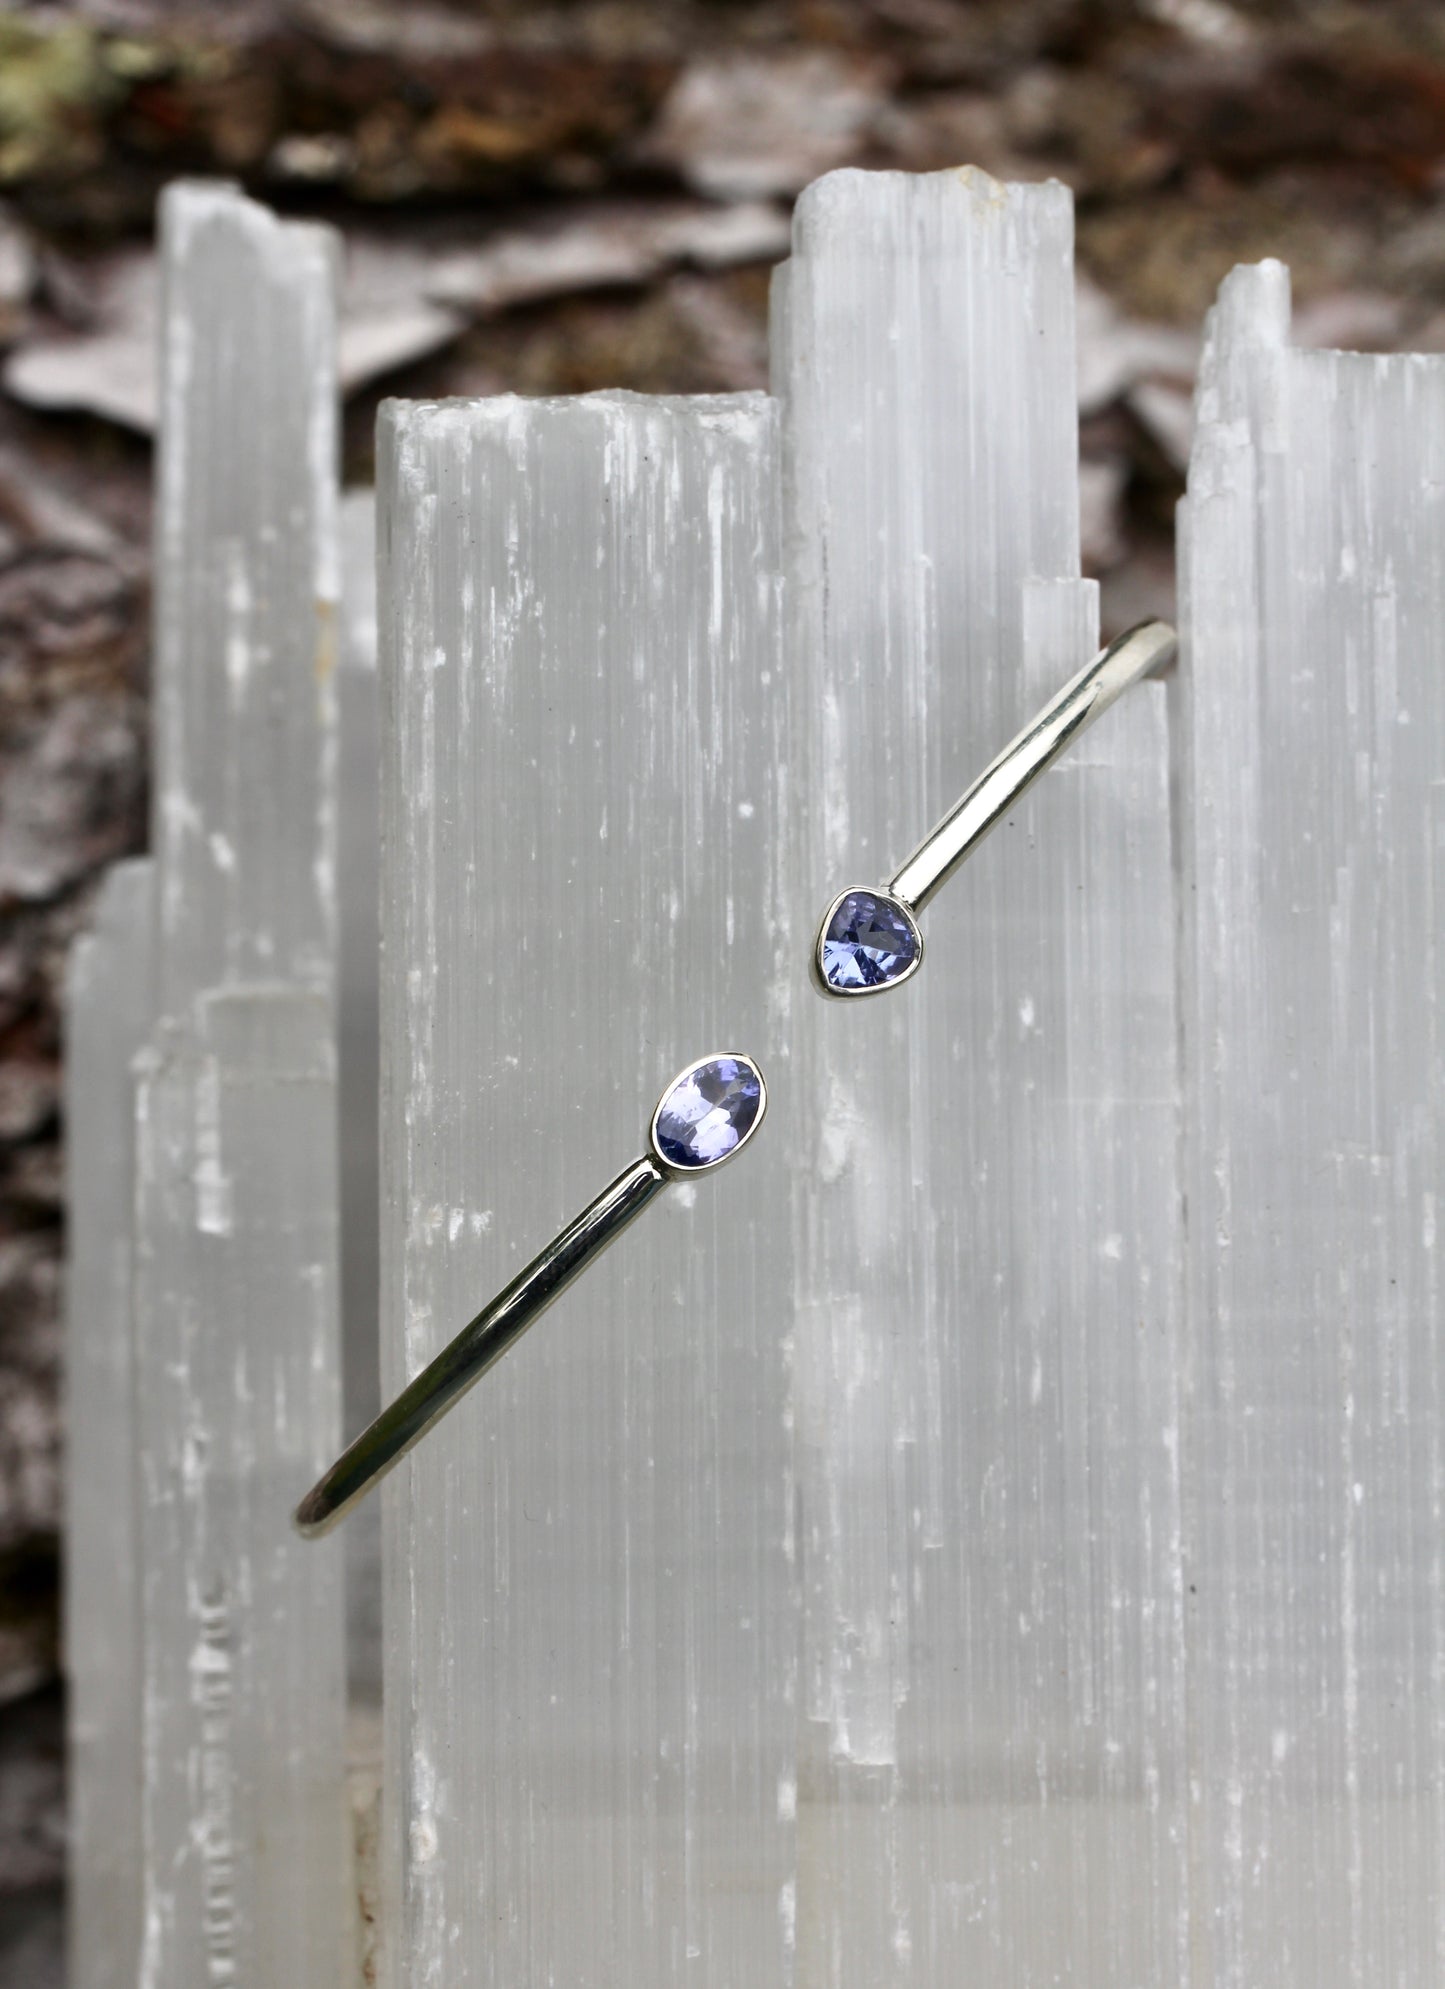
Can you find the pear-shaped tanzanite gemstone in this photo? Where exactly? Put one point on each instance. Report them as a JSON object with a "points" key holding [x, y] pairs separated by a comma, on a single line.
{"points": [[870, 940], [708, 1112]]}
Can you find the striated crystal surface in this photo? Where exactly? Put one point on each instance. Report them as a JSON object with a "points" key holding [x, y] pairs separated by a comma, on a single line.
{"points": [[246, 618], [242, 1809], [110, 1009], [985, 1354], [1313, 580], [708, 1112], [244, 1656], [357, 854], [590, 1569]]}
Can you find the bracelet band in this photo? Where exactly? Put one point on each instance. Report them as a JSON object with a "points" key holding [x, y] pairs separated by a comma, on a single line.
{"points": [[869, 939], [705, 1116]]}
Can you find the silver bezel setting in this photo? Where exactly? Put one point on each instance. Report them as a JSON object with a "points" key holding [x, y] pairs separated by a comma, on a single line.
{"points": [[884, 894], [670, 1167]]}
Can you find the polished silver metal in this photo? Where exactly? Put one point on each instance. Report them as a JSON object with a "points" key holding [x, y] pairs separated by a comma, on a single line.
{"points": [[1142, 651], [500, 1324]]}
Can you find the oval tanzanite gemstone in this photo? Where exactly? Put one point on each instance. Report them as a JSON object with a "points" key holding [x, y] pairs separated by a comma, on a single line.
{"points": [[708, 1112], [869, 941]]}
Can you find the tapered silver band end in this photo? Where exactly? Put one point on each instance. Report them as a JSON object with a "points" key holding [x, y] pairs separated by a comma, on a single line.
{"points": [[315, 1515]]}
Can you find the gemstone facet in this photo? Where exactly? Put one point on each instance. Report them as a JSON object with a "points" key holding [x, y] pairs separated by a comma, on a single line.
{"points": [[868, 942], [708, 1112]]}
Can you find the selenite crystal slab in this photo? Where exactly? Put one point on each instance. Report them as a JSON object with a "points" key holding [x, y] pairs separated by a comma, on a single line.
{"points": [[591, 1606], [245, 1826], [986, 1208], [246, 598], [110, 1006], [358, 850], [246, 1831], [1313, 570]]}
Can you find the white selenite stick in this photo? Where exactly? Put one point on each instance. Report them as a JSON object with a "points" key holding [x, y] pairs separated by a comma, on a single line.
{"points": [[992, 1703], [246, 1834], [1313, 569], [247, 587], [110, 1007], [591, 1614], [358, 804]]}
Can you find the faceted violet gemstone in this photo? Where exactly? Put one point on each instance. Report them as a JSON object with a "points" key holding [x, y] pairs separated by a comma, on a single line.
{"points": [[709, 1111], [870, 941]]}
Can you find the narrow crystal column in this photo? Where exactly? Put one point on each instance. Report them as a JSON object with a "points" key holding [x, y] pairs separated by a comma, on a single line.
{"points": [[246, 597], [237, 1345], [591, 1618], [110, 1007], [358, 837], [1313, 568], [987, 1273], [246, 1827]]}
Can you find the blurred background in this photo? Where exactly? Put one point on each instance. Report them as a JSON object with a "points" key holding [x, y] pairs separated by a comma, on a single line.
{"points": [[549, 199]]}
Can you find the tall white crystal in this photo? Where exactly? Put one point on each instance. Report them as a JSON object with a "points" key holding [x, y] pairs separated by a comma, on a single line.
{"points": [[246, 597], [987, 1281], [586, 771], [358, 839], [1313, 569], [245, 1830], [110, 1007]]}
